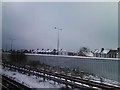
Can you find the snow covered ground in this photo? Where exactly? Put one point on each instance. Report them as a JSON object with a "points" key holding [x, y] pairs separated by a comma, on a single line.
{"points": [[31, 81], [105, 81]]}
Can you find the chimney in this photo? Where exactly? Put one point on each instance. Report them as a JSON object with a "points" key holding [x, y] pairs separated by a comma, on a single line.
{"points": [[102, 49], [118, 49]]}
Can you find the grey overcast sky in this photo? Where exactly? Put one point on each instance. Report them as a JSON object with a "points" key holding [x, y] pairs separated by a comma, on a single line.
{"points": [[89, 24]]}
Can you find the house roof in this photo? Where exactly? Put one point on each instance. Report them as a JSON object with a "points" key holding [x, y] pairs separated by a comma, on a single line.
{"points": [[105, 51], [39, 50], [63, 50], [113, 51], [34, 51], [97, 51], [49, 50], [89, 54]]}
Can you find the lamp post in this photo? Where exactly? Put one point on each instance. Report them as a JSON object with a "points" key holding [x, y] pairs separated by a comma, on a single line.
{"points": [[11, 43], [59, 29]]}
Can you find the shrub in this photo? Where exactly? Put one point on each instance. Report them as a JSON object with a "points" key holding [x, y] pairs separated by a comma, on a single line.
{"points": [[17, 57]]}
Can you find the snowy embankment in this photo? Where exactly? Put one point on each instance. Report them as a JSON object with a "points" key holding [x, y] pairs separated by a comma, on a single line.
{"points": [[104, 80], [30, 81]]}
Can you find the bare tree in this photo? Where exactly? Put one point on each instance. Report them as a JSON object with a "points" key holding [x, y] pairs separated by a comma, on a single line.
{"points": [[83, 51]]}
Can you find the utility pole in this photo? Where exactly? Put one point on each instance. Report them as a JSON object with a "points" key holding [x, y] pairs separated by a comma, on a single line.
{"points": [[6, 46], [11, 39], [59, 29]]}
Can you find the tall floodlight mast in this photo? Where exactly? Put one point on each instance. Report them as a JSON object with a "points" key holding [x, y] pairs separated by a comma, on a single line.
{"points": [[59, 29]]}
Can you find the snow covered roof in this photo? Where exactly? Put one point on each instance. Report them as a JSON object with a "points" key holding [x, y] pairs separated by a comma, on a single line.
{"points": [[49, 50], [90, 54], [43, 50], [102, 52], [97, 51], [38, 50], [34, 51], [63, 50], [105, 51]]}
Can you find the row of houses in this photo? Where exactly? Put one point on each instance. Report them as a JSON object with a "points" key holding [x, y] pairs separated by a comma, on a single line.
{"points": [[48, 51], [103, 53], [106, 53]]}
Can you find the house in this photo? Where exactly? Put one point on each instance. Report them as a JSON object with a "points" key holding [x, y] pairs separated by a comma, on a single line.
{"points": [[89, 54], [97, 53], [34, 51], [106, 53], [63, 52], [71, 53], [49, 51], [109, 53], [39, 51], [112, 54]]}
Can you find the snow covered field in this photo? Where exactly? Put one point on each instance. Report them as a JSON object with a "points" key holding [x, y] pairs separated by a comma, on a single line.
{"points": [[31, 81]]}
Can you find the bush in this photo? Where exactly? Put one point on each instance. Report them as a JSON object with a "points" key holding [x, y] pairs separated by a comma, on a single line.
{"points": [[17, 57]]}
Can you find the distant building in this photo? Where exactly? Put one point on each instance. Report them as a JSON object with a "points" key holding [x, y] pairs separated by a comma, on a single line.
{"points": [[34, 51], [72, 53], [49, 51], [63, 52], [86, 54], [106, 53], [89, 54], [112, 54], [97, 53]]}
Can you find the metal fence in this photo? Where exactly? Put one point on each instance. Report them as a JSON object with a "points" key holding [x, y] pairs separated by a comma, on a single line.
{"points": [[102, 67]]}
